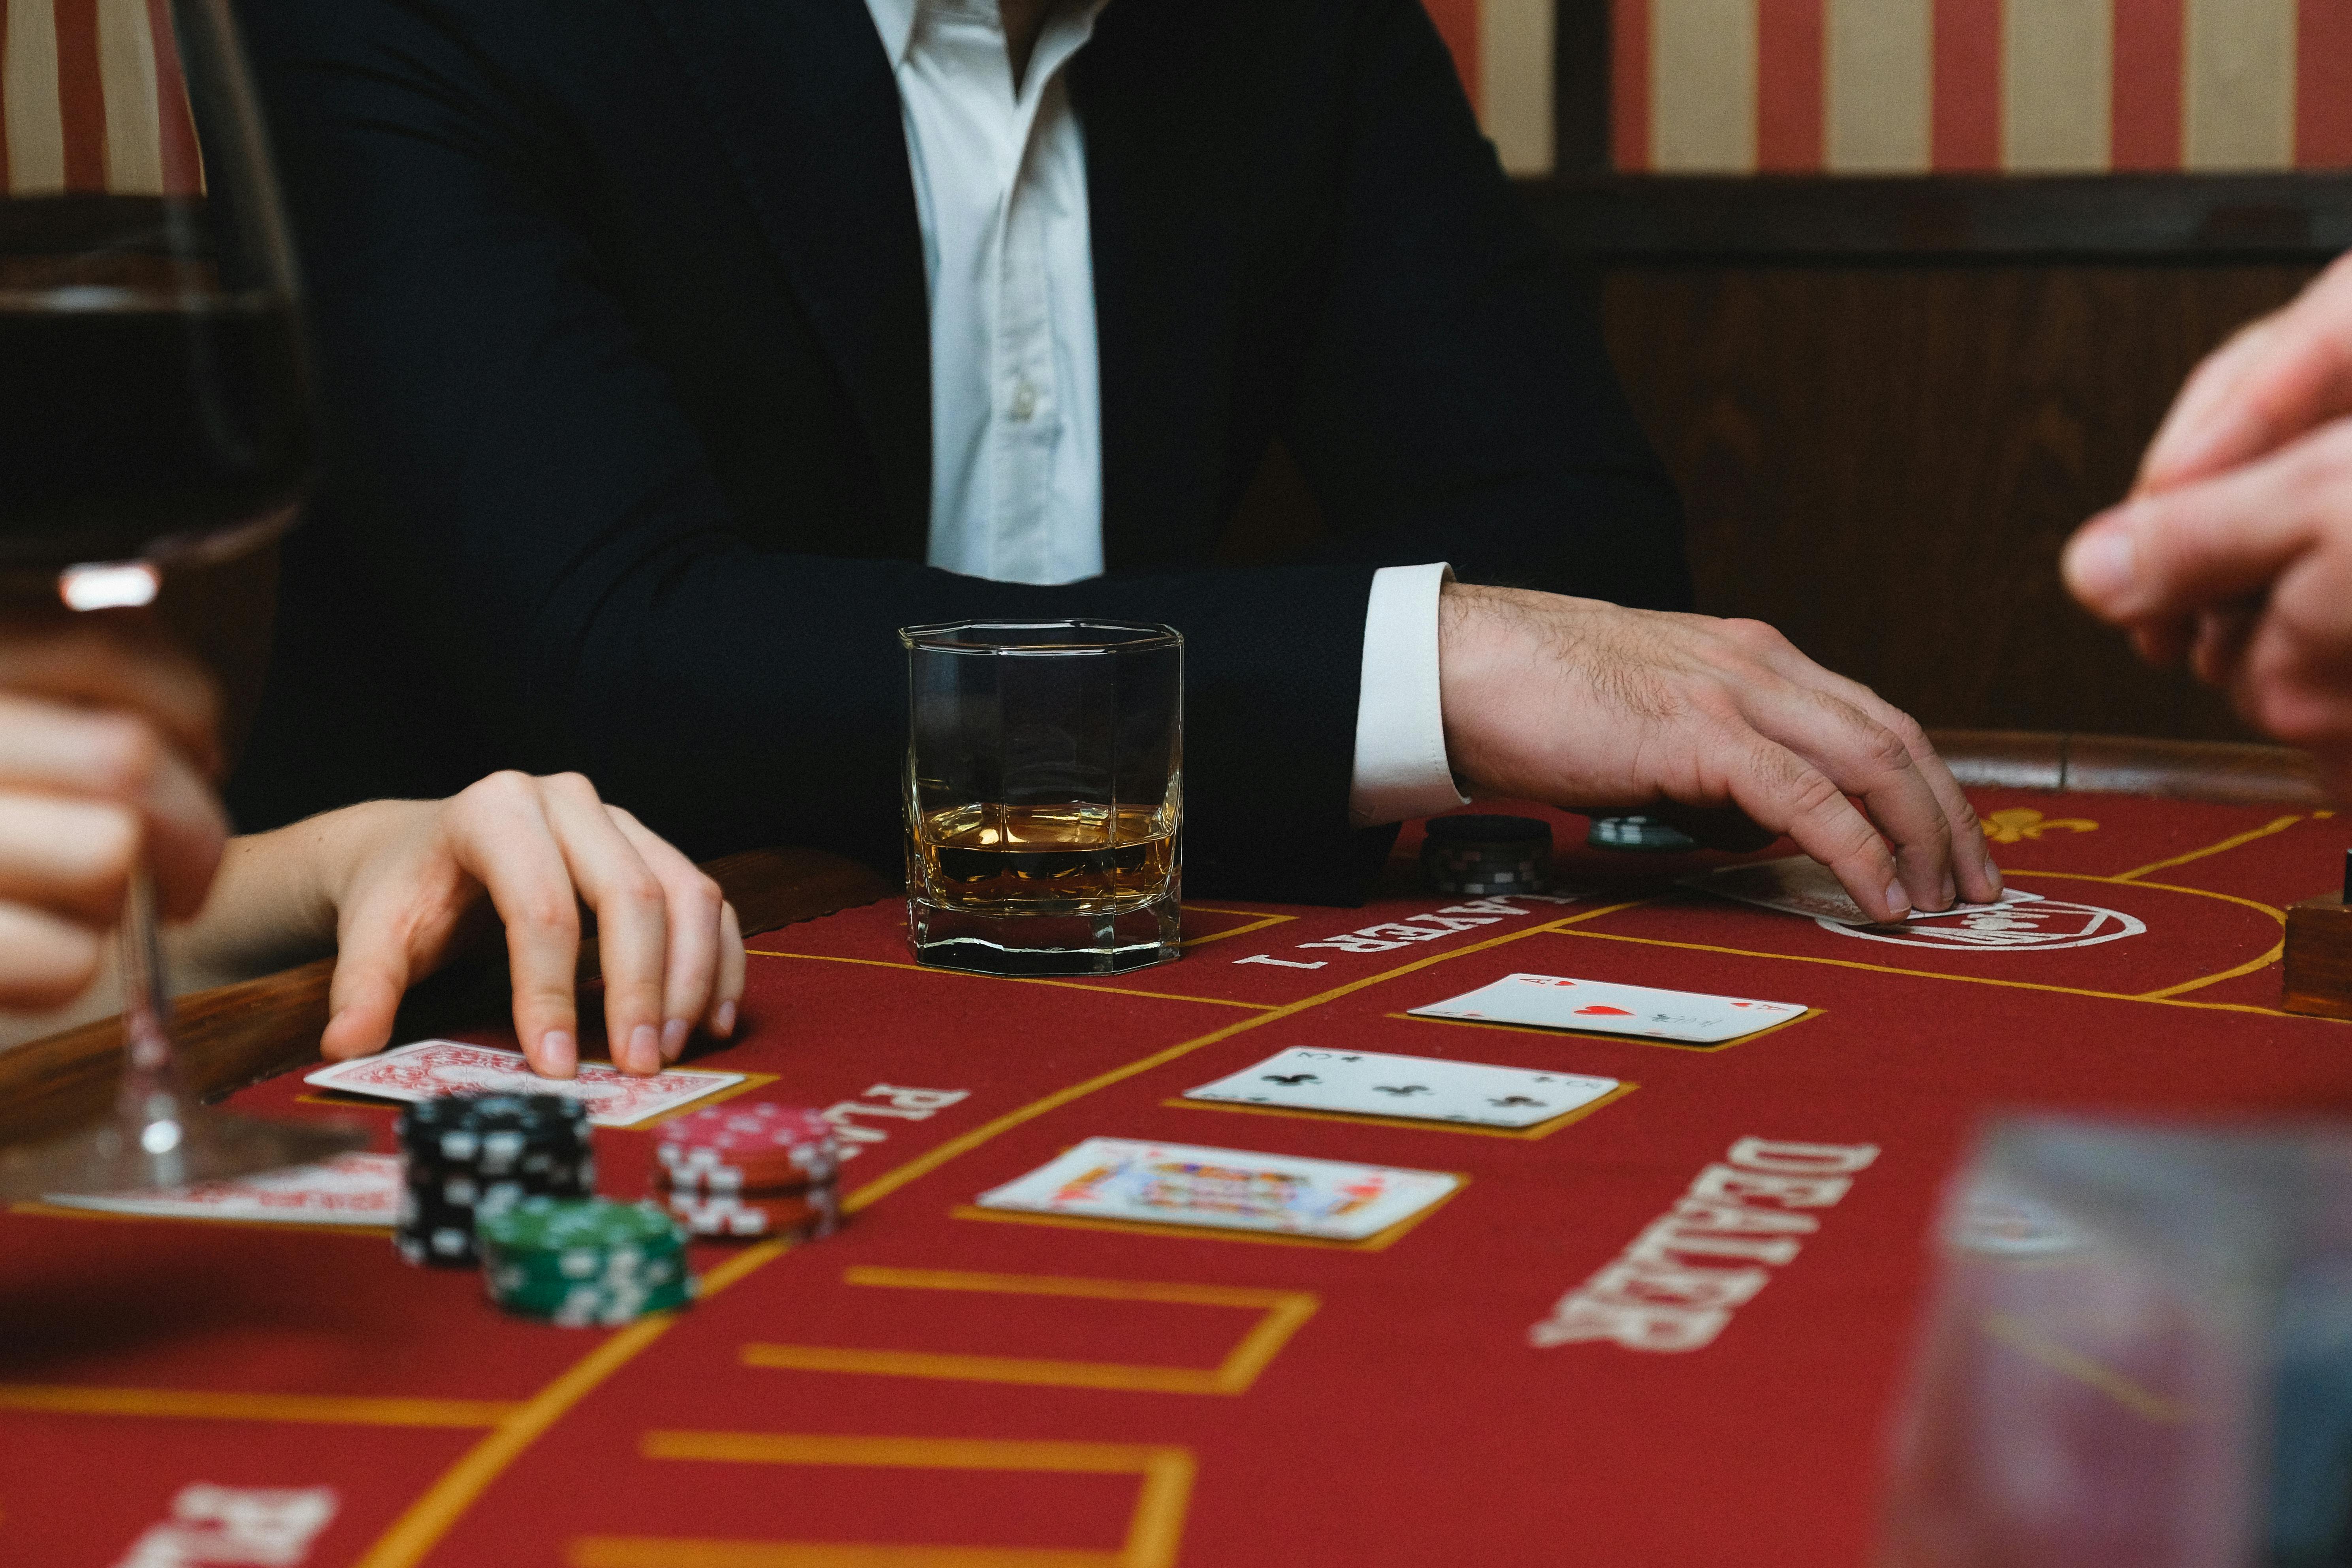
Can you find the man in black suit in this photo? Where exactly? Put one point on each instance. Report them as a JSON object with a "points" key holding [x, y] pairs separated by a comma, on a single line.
{"points": [[662, 339]]}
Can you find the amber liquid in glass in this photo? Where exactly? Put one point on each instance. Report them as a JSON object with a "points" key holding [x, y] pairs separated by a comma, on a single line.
{"points": [[1074, 859]]}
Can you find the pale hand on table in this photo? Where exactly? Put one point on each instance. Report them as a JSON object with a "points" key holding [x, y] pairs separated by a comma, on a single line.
{"points": [[410, 881], [106, 748], [1588, 705], [2235, 546]]}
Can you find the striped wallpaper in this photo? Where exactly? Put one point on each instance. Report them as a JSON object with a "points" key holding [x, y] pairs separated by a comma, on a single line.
{"points": [[83, 97], [2027, 86], [1922, 85]]}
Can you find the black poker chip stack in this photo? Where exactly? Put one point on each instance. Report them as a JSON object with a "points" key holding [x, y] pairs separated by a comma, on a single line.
{"points": [[1481, 856], [473, 1155]]}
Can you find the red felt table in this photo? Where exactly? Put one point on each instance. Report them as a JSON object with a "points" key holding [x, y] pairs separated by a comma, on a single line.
{"points": [[943, 1385]]}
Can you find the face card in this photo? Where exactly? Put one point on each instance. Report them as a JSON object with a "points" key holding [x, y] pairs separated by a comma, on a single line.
{"points": [[1554, 1002], [1370, 1083], [431, 1068], [350, 1189], [1801, 885], [1178, 1184]]}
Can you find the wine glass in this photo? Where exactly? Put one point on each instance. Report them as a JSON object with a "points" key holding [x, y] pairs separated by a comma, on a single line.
{"points": [[153, 413]]}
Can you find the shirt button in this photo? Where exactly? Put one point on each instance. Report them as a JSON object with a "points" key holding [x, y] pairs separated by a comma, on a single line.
{"points": [[1025, 399]]}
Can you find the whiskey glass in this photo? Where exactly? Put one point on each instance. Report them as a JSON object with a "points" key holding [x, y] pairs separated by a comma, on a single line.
{"points": [[1045, 796]]}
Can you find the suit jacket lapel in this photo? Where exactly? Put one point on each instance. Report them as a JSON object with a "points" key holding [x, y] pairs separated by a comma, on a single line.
{"points": [[804, 98]]}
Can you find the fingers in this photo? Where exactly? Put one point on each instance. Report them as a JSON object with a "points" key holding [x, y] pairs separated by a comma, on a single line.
{"points": [[694, 907], [2285, 374], [1783, 792], [670, 950], [115, 659], [45, 961], [729, 991], [71, 859], [2293, 678], [111, 762], [372, 969], [1871, 749], [2220, 644], [633, 933], [502, 837], [2170, 555]]}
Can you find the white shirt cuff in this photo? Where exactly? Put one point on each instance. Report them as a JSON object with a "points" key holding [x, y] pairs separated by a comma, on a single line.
{"points": [[1400, 768]]}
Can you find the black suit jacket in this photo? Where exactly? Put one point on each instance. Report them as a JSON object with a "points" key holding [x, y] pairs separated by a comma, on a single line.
{"points": [[620, 320]]}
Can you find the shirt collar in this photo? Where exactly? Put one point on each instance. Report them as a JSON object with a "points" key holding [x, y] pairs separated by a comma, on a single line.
{"points": [[895, 21]]}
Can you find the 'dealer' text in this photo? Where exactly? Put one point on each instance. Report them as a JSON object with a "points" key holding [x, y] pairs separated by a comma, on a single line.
{"points": [[1675, 1287]]}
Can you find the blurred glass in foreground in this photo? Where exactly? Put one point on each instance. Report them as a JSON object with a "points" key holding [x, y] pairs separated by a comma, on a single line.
{"points": [[2139, 1354]]}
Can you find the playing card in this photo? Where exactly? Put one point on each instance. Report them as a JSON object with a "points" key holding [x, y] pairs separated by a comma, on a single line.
{"points": [[1801, 885], [1373, 1084], [1177, 1183], [1553, 1002], [350, 1189], [431, 1068]]}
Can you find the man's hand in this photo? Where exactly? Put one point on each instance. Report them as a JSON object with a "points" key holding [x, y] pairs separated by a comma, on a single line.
{"points": [[2235, 546], [1587, 705]]}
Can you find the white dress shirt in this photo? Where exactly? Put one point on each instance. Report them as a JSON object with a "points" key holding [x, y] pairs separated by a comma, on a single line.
{"points": [[1000, 177]]}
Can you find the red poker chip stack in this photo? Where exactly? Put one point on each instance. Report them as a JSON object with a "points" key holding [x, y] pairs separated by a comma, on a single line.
{"points": [[751, 1171]]}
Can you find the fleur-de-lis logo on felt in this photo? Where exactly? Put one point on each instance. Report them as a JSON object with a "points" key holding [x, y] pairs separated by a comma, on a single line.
{"points": [[2019, 823]]}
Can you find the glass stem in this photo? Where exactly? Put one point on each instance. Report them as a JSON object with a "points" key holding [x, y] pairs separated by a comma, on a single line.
{"points": [[152, 1097]]}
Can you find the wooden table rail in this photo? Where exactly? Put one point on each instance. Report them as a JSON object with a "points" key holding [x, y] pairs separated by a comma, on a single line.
{"points": [[2228, 772]]}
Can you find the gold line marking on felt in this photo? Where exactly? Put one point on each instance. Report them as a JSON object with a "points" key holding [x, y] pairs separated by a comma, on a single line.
{"points": [[1258, 922], [1417, 1124], [2233, 842], [2022, 1337], [2277, 915], [1015, 979], [2164, 993], [1716, 1049], [213, 1405], [924, 1163], [2264, 962], [426, 1520], [1379, 1241], [1931, 974], [1154, 1529], [2159, 999], [1281, 1314], [421, 1526], [662, 1552]]}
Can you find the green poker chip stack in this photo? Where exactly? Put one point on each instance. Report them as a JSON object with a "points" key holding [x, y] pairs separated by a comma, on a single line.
{"points": [[584, 1262]]}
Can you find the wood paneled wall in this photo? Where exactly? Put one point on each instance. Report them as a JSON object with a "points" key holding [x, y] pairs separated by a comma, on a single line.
{"points": [[1883, 461]]}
